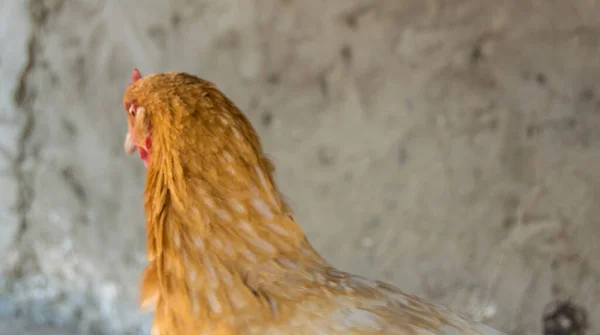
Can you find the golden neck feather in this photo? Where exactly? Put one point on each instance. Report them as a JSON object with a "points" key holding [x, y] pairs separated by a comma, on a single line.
{"points": [[218, 228]]}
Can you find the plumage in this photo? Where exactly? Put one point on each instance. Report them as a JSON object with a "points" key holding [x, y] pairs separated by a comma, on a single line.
{"points": [[226, 255]]}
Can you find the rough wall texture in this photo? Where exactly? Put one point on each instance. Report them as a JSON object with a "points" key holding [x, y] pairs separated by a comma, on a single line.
{"points": [[449, 147]]}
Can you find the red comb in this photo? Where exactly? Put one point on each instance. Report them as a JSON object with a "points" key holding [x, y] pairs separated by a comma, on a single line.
{"points": [[136, 75]]}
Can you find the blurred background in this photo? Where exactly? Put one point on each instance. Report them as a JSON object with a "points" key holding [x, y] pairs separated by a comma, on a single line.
{"points": [[451, 147]]}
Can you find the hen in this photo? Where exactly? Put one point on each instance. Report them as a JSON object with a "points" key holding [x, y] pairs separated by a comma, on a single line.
{"points": [[225, 253]]}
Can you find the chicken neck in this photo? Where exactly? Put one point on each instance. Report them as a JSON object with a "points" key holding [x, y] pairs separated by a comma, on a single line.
{"points": [[223, 247]]}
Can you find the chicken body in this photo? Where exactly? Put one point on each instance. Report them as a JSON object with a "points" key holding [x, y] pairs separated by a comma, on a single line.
{"points": [[225, 253]]}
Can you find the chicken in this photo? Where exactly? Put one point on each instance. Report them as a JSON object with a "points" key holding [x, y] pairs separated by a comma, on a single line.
{"points": [[225, 253]]}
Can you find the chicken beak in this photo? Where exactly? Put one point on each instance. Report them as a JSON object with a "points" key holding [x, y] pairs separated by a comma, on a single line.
{"points": [[129, 144]]}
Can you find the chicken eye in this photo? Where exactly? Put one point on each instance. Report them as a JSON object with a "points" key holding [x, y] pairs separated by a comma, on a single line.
{"points": [[132, 110]]}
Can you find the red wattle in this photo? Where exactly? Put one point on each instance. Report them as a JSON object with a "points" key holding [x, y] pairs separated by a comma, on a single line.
{"points": [[145, 152]]}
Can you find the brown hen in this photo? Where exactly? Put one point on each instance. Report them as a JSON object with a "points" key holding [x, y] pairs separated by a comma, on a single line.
{"points": [[226, 255]]}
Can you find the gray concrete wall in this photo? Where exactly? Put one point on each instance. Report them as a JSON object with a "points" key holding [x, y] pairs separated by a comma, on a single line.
{"points": [[449, 147]]}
